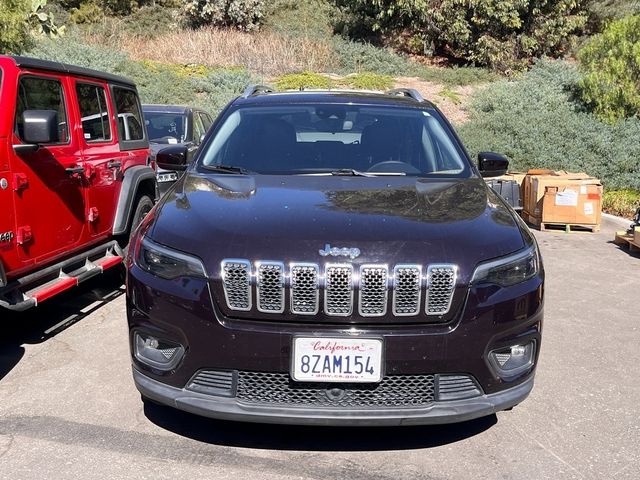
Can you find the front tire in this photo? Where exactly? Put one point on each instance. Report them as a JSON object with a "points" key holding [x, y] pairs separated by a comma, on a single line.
{"points": [[144, 204]]}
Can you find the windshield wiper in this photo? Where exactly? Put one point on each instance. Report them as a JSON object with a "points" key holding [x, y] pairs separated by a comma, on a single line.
{"points": [[358, 173], [228, 169], [351, 172]]}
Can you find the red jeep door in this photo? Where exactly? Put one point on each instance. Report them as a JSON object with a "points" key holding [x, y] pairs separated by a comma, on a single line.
{"points": [[102, 158], [49, 199]]}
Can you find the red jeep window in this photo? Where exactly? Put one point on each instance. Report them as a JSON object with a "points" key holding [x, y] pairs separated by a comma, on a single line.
{"points": [[129, 116], [36, 93], [93, 112]]}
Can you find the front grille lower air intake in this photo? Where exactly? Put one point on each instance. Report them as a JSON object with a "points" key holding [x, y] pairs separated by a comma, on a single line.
{"points": [[337, 286]]}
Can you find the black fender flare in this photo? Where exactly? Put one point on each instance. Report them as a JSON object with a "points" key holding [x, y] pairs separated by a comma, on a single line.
{"points": [[132, 179], [3, 275]]}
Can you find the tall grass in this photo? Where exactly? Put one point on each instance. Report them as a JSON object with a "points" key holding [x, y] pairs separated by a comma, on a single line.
{"points": [[267, 54]]}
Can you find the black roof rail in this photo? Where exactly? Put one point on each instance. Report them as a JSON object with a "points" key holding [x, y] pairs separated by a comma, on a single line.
{"points": [[256, 90], [406, 92]]}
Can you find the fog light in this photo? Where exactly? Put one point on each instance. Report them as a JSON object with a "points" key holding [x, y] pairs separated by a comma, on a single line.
{"points": [[157, 353], [511, 361]]}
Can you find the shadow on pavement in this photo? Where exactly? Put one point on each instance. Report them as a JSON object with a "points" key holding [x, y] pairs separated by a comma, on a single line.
{"points": [[288, 437], [54, 316]]}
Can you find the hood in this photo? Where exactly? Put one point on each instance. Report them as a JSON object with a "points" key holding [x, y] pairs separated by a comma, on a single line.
{"points": [[290, 218]]}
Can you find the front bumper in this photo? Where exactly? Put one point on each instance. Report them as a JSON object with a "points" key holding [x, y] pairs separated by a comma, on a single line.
{"points": [[231, 409]]}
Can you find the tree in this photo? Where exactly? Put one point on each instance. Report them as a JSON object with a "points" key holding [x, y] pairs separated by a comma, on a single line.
{"points": [[14, 30], [611, 64], [502, 34]]}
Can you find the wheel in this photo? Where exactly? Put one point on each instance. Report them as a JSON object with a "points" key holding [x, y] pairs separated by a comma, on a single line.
{"points": [[143, 207]]}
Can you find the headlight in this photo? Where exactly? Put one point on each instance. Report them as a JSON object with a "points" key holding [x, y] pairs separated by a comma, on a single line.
{"points": [[509, 270], [167, 263]]}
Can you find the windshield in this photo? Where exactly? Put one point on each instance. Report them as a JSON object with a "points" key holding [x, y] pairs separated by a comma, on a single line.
{"points": [[166, 127], [308, 139]]}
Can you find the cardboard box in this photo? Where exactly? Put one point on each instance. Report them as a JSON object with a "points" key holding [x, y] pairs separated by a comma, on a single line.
{"points": [[536, 182], [572, 203]]}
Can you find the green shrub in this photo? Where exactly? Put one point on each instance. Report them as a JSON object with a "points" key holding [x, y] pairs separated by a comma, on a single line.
{"points": [[501, 34], [243, 14], [369, 81], [623, 203], [309, 18], [14, 31], [297, 81], [89, 12], [454, 76], [538, 122], [611, 63], [602, 12], [364, 57]]}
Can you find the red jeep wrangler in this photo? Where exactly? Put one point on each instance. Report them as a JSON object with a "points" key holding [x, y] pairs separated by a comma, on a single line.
{"points": [[75, 176]]}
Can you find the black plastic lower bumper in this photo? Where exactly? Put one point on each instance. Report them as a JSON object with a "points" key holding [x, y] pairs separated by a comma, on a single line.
{"points": [[231, 409]]}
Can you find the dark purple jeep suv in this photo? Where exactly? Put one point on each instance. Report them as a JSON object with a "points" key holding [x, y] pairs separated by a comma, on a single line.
{"points": [[334, 258]]}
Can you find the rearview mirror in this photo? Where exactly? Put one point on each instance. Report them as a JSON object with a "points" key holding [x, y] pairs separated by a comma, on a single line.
{"points": [[40, 126], [492, 164], [172, 158]]}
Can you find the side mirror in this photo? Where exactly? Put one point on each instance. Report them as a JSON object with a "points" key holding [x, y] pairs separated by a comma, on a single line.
{"points": [[40, 126], [492, 164], [172, 158]]}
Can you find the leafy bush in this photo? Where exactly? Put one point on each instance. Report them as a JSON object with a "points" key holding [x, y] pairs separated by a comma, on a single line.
{"points": [[454, 76], [369, 81], [89, 12], [364, 57], [611, 62], [243, 14], [501, 34], [621, 202], [538, 122], [309, 18], [297, 81], [14, 31], [603, 11]]}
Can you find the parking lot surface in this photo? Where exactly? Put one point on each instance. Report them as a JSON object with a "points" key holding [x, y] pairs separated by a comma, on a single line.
{"points": [[68, 407]]}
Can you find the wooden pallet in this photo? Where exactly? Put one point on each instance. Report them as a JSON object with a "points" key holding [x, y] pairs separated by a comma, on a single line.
{"points": [[568, 227], [624, 239], [558, 226]]}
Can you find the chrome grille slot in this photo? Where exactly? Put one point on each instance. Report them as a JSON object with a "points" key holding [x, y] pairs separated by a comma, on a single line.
{"points": [[441, 281], [338, 296], [236, 279], [270, 287], [407, 289], [304, 288], [372, 298]]}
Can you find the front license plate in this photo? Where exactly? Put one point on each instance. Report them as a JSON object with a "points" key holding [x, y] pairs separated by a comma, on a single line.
{"points": [[323, 359]]}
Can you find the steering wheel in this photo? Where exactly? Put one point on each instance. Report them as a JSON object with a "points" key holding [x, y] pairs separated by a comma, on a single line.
{"points": [[390, 166]]}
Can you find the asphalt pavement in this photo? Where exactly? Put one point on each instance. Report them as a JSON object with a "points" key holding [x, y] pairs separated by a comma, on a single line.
{"points": [[69, 409]]}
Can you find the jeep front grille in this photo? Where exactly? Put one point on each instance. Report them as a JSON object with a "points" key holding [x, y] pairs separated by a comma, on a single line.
{"points": [[338, 293], [236, 278], [305, 288], [441, 280], [407, 290], [271, 281], [270, 287], [372, 300]]}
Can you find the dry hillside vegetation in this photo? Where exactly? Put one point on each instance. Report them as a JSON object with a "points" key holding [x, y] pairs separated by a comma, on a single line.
{"points": [[266, 54]]}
